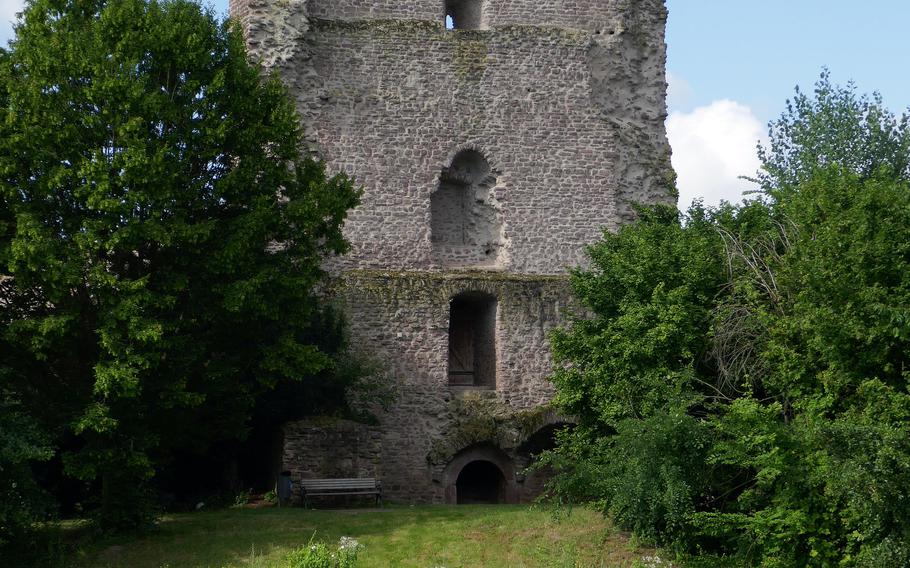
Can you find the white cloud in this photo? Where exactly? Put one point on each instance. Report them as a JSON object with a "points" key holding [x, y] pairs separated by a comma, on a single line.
{"points": [[712, 146], [8, 10], [679, 92]]}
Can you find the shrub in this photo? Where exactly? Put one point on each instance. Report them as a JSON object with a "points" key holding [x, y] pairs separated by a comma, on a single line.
{"points": [[320, 555], [741, 379]]}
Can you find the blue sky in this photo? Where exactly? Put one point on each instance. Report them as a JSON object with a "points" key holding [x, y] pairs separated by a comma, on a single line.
{"points": [[755, 52], [733, 63]]}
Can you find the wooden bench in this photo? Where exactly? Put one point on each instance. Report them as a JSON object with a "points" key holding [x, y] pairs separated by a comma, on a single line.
{"points": [[330, 487]]}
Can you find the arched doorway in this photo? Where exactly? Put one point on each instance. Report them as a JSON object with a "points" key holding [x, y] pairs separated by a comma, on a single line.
{"points": [[534, 483], [480, 482], [480, 474]]}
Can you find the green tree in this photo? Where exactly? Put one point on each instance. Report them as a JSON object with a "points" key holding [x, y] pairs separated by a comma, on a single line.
{"points": [[636, 372], [163, 235], [822, 437], [767, 424], [21, 440], [22, 503], [835, 126]]}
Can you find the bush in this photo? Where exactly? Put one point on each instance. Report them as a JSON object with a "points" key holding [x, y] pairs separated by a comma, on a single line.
{"points": [[741, 379], [22, 502]]}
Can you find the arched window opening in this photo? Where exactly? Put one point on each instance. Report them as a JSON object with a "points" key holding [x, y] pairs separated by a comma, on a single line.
{"points": [[465, 225], [542, 440], [480, 482], [464, 14], [472, 341], [536, 478]]}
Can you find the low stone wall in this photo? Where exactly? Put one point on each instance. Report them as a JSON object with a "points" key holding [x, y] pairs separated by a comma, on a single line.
{"points": [[477, 427], [330, 448]]}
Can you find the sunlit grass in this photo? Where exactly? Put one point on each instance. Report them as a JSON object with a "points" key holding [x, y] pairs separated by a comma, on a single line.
{"points": [[465, 536]]}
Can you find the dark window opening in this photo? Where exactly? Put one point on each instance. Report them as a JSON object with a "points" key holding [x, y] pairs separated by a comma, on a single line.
{"points": [[464, 14], [542, 440], [472, 341], [480, 482]]}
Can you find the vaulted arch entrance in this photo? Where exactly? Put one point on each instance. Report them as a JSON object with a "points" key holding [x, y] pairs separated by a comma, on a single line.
{"points": [[480, 474], [480, 482]]}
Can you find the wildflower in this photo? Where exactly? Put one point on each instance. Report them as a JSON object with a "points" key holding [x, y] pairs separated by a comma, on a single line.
{"points": [[348, 543], [655, 562]]}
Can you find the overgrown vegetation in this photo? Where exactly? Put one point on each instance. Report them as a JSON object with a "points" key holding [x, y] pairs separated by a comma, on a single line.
{"points": [[321, 555], [742, 384], [161, 238], [21, 442]]}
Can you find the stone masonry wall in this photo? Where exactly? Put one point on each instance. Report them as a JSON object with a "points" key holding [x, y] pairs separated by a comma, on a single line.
{"points": [[331, 448], [398, 134], [328, 448], [570, 14], [400, 321], [564, 99]]}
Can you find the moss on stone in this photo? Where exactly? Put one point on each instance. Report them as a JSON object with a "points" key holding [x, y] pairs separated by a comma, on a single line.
{"points": [[324, 421], [470, 57], [388, 285], [389, 27], [456, 274], [479, 417], [376, 26]]}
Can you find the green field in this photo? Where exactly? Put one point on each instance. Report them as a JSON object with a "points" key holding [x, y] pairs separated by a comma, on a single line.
{"points": [[427, 537]]}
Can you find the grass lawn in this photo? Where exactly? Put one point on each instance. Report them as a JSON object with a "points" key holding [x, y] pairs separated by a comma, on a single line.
{"points": [[464, 536]]}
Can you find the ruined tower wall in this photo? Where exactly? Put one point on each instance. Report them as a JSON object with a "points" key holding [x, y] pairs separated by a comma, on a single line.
{"points": [[589, 15], [565, 102], [401, 321], [400, 129]]}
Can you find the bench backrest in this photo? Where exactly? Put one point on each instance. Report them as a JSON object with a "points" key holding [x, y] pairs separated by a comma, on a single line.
{"points": [[338, 484]]}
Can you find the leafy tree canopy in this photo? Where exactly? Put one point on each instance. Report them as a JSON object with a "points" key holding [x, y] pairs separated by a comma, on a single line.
{"points": [[161, 235], [834, 127], [741, 381]]}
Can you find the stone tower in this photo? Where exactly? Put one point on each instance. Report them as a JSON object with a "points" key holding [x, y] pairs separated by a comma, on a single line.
{"points": [[494, 139]]}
